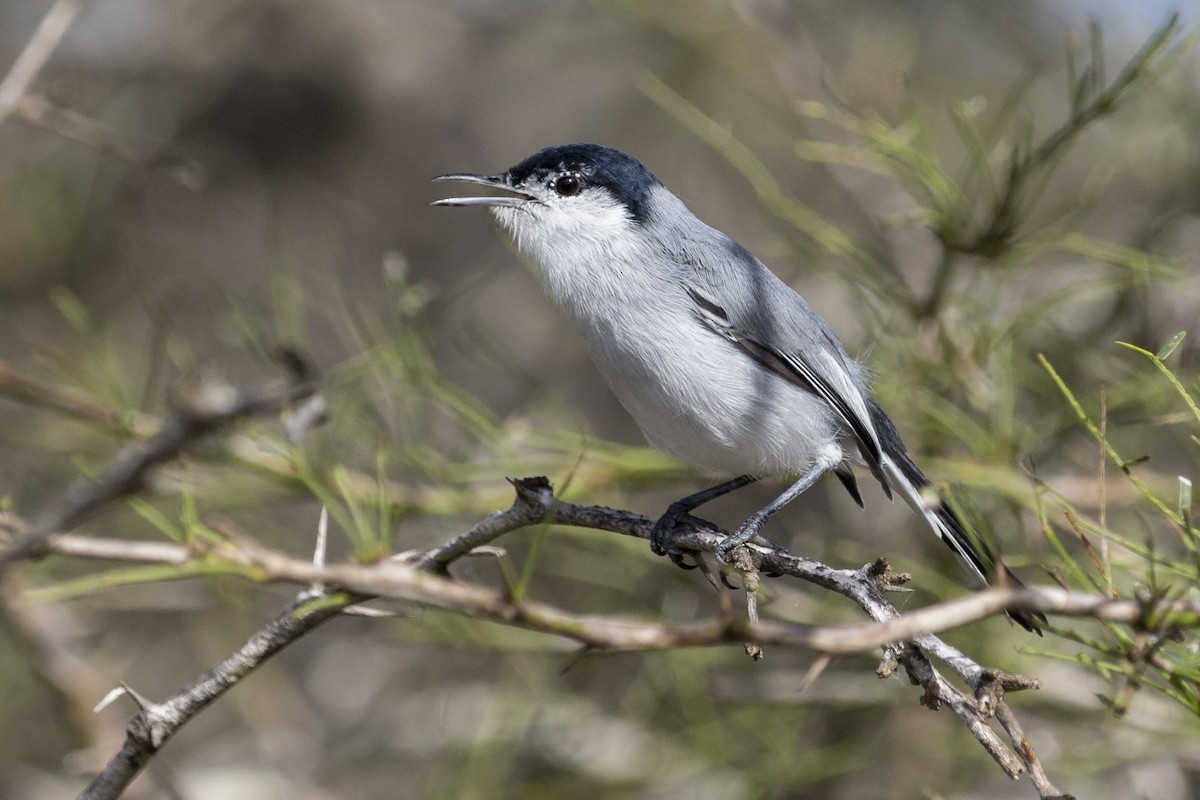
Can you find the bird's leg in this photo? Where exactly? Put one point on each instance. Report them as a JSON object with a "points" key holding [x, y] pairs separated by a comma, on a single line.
{"points": [[660, 537], [751, 527]]}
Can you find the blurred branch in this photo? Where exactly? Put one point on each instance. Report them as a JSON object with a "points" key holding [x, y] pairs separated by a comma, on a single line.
{"points": [[41, 394], [535, 504], [240, 448], [47, 639], [948, 206], [1089, 102], [40, 112], [250, 452], [30, 389], [828, 236], [35, 55], [210, 406], [17, 101]]}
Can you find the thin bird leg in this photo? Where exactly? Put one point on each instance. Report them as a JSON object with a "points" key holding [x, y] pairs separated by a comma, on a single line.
{"points": [[751, 527], [660, 537]]}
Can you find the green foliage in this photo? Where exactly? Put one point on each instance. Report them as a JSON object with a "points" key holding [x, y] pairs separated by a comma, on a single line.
{"points": [[957, 363], [1159, 562], [400, 444]]}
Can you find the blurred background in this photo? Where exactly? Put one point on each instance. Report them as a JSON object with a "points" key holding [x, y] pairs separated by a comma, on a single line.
{"points": [[250, 175]]}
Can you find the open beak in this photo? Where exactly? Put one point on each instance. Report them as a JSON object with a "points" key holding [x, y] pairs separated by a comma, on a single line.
{"points": [[492, 181]]}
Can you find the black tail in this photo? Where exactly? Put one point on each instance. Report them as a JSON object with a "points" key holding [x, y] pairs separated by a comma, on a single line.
{"points": [[972, 552]]}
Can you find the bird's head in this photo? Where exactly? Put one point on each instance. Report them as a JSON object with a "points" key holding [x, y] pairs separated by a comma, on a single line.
{"points": [[566, 195]]}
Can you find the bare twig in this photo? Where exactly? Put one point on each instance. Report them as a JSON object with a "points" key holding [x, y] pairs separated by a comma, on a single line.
{"points": [[157, 722], [603, 634], [35, 55], [535, 503]]}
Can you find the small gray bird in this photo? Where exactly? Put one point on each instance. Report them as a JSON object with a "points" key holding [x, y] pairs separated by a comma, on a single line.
{"points": [[720, 363]]}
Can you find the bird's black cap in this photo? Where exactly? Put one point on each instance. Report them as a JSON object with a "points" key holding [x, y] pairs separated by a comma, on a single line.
{"points": [[623, 175]]}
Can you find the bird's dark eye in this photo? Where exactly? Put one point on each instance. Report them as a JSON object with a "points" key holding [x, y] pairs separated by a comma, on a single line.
{"points": [[567, 185]]}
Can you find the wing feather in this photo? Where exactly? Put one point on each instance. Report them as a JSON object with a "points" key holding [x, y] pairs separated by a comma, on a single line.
{"points": [[820, 374]]}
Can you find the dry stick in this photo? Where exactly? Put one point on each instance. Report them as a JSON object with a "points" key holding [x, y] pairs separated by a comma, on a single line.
{"points": [[535, 498], [863, 586], [210, 407], [597, 633], [35, 55], [140, 552], [1037, 775]]}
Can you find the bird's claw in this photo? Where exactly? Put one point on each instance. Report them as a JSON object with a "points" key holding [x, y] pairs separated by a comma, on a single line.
{"points": [[677, 557], [660, 537]]}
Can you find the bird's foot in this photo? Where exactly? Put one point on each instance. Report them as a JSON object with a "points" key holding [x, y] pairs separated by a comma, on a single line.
{"points": [[748, 530], [664, 529]]}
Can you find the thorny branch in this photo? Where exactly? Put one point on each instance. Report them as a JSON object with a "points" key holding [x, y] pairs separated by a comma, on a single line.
{"points": [[908, 641], [156, 722]]}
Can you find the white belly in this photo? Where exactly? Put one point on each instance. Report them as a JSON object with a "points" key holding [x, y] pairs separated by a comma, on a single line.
{"points": [[694, 394], [699, 398]]}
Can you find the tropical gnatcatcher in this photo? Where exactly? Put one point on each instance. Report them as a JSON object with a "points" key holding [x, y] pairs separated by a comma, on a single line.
{"points": [[720, 363]]}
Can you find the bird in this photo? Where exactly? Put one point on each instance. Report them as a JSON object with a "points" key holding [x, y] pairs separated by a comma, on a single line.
{"points": [[720, 363]]}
